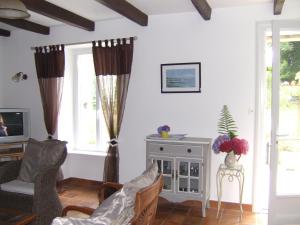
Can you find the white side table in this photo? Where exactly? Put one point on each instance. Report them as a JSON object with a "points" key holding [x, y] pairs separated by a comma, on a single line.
{"points": [[236, 172]]}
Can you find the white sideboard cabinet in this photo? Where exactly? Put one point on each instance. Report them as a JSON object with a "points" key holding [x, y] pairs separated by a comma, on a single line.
{"points": [[185, 165]]}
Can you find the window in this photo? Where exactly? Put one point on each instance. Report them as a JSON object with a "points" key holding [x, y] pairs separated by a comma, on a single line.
{"points": [[81, 120]]}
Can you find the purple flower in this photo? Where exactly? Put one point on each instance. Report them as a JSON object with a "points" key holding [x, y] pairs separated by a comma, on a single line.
{"points": [[166, 128], [159, 129], [163, 128], [218, 141]]}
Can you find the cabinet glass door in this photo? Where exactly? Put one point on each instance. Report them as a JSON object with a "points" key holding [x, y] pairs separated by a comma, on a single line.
{"points": [[166, 167], [188, 175]]}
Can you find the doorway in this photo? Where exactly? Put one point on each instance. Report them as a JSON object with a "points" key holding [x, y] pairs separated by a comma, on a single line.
{"points": [[278, 122]]}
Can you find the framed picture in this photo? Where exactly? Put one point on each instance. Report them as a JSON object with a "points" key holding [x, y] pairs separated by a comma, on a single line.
{"points": [[181, 78]]}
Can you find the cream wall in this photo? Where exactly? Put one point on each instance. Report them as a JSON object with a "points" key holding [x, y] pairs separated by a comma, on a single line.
{"points": [[225, 46]]}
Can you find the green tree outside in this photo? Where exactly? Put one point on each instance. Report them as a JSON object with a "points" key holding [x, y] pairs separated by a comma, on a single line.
{"points": [[290, 60]]}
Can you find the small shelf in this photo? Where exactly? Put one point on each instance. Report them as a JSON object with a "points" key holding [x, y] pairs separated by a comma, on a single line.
{"points": [[12, 149]]}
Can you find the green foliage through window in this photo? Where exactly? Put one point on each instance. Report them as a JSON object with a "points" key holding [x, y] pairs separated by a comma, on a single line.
{"points": [[290, 60]]}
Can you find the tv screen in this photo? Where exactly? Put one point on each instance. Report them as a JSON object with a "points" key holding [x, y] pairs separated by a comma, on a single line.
{"points": [[11, 124]]}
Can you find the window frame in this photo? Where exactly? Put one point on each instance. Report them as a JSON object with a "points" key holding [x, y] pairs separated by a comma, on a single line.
{"points": [[99, 148]]}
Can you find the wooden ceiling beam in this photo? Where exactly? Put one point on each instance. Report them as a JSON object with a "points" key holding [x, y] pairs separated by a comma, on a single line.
{"points": [[4, 33], [203, 8], [57, 13], [278, 5], [27, 25], [126, 9]]}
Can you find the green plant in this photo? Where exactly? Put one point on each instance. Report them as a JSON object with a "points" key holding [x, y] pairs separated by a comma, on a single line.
{"points": [[289, 60], [226, 124]]}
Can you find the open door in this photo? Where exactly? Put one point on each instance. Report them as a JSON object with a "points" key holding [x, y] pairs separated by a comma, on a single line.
{"points": [[284, 197]]}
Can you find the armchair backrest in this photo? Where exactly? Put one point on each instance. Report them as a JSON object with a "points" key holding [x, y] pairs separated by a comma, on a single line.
{"points": [[62, 158], [146, 203], [40, 155]]}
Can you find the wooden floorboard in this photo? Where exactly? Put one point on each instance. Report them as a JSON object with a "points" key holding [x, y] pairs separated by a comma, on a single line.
{"points": [[186, 213]]}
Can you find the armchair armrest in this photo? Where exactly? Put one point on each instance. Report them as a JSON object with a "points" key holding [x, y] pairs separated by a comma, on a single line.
{"points": [[85, 210], [9, 170], [106, 189]]}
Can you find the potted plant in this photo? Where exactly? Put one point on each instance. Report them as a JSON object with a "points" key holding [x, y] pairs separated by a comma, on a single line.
{"points": [[227, 141]]}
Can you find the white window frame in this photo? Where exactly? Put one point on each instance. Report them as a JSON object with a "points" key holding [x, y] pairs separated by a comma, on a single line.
{"points": [[100, 147]]}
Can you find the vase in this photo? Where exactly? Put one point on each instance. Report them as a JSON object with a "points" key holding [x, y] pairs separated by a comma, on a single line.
{"points": [[164, 134], [230, 160]]}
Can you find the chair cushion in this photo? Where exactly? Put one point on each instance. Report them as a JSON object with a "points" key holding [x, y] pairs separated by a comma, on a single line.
{"points": [[118, 209], [40, 155], [18, 186]]}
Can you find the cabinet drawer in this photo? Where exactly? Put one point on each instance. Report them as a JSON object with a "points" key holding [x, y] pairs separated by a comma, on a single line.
{"points": [[184, 150]]}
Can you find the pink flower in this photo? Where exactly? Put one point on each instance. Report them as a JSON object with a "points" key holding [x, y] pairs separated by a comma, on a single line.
{"points": [[240, 146], [226, 146]]}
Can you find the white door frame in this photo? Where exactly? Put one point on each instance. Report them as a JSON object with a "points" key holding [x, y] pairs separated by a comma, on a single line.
{"points": [[258, 160], [282, 209]]}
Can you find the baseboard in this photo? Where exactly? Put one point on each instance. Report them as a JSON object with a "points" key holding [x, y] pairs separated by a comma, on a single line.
{"points": [[231, 205]]}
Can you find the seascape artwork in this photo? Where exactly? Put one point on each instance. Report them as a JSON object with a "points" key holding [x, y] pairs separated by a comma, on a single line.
{"points": [[181, 78]]}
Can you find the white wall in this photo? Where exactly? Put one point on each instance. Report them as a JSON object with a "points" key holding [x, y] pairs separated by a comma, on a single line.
{"points": [[225, 46], [83, 166]]}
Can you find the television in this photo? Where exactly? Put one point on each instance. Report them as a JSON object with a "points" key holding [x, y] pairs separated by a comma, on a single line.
{"points": [[14, 125]]}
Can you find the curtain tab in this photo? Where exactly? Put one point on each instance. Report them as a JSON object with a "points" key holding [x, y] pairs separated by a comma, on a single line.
{"points": [[113, 142]]}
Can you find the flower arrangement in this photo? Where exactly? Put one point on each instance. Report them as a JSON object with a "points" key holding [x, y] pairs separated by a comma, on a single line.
{"points": [[227, 141], [165, 128], [164, 131]]}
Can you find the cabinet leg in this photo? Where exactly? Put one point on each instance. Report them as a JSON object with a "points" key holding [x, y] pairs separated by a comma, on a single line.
{"points": [[208, 204], [204, 209]]}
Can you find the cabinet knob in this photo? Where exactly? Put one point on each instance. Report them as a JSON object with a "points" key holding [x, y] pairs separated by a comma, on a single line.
{"points": [[161, 148], [189, 150]]}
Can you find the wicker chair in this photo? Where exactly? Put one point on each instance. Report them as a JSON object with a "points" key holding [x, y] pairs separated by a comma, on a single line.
{"points": [[44, 203], [145, 201]]}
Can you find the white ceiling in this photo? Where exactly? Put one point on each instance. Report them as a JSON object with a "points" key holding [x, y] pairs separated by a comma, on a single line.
{"points": [[95, 11]]}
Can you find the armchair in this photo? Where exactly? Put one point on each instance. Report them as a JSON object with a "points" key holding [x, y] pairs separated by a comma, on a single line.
{"points": [[121, 208], [32, 188]]}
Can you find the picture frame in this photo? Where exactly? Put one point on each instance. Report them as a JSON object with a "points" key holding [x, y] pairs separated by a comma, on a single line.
{"points": [[181, 78]]}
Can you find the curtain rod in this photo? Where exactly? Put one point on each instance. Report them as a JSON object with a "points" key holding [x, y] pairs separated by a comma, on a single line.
{"points": [[86, 42]]}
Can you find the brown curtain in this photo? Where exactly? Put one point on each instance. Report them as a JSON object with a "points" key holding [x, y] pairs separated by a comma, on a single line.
{"points": [[112, 61], [50, 66]]}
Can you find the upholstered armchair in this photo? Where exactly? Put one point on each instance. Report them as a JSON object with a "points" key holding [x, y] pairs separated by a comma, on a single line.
{"points": [[29, 184], [132, 203]]}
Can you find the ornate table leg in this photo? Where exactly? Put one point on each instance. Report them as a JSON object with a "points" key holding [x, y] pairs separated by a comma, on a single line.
{"points": [[219, 178], [240, 177]]}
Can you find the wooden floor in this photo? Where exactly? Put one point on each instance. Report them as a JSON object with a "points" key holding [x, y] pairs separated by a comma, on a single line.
{"points": [[187, 213]]}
